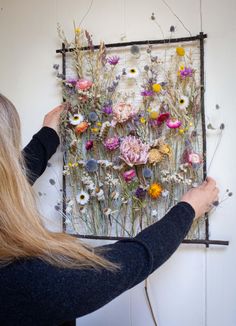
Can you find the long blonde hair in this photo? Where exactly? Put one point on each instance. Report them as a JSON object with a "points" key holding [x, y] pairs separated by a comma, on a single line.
{"points": [[22, 233]]}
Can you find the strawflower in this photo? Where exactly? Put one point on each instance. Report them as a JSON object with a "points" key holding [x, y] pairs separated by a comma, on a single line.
{"points": [[129, 175], [83, 84], [155, 190], [82, 127], [173, 123]]}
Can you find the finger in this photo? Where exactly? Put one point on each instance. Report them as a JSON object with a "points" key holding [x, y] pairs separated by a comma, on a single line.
{"points": [[210, 182], [59, 109]]}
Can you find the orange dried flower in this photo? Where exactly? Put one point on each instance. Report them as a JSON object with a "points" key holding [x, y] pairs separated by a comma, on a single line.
{"points": [[82, 127], [155, 190]]}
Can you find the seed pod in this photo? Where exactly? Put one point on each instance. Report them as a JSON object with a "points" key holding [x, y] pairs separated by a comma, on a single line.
{"points": [[104, 130]]}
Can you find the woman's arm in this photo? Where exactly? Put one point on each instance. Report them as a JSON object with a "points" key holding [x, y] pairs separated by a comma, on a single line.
{"points": [[65, 294], [37, 153], [42, 146], [57, 294]]}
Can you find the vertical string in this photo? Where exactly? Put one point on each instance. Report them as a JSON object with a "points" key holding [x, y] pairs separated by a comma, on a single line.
{"points": [[200, 5], [206, 287], [124, 19], [86, 14]]}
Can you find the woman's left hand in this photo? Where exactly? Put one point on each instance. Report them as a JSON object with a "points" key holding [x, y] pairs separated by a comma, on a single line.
{"points": [[51, 119]]}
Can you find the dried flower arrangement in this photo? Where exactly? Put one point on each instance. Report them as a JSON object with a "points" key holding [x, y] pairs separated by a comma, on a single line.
{"points": [[132, 131]]}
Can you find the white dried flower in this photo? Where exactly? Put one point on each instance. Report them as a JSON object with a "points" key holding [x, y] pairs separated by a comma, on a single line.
{"points": [[154, 212], [100, 195], [165, 193], [82, 198]]}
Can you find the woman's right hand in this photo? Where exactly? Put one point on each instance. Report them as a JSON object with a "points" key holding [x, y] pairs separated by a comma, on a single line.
{"points": [[202, 198]]}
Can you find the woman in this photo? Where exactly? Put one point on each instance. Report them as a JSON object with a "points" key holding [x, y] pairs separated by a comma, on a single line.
{"points": [[47, 278]]}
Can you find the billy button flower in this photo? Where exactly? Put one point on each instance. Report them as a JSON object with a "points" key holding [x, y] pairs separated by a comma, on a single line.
{"points": [[154, 191], [94, 130], [153, 115], [142, 120], [156, 88], [180, 51], [77, 30]]}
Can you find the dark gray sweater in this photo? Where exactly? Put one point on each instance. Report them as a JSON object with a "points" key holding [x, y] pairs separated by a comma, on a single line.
{"points": [[33, 292]]}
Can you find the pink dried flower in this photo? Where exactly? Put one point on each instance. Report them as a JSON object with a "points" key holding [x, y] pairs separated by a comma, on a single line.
{"points": [[133, 151], [173, 123], [83, 84], [194, 158], [112, 143], [123, 112], [129, 175], [163, 117]]}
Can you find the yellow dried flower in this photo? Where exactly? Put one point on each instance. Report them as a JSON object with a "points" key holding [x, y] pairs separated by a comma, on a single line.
{"points": [[99, 124], [154, 156], [165, 149], [181, 131], [77, 30], [155, 190], [180, 51], [153, 115], [156, 88], [94, 130], [70, 164], [142, 120], [149, 109]]}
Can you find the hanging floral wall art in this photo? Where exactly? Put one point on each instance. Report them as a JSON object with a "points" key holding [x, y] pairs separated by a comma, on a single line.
{"points": [[132, 133]]}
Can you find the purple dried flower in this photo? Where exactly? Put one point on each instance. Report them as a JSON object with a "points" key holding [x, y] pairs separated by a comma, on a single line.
{"points": [[71, 81], [112, 143], [113, 60], [140, 193], [107, 109], [147, 93], [186, 72]]}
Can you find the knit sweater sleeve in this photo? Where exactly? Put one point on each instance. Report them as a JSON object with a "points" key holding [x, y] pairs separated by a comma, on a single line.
{"points": [[37, 153], [66, 294]]}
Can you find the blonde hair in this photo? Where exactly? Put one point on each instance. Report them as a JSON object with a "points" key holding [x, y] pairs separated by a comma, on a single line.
{"points": [[22, 233]]}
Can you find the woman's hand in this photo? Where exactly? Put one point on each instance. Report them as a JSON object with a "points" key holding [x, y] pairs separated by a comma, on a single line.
{"points": [[51, 119], [202, 198]]}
